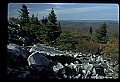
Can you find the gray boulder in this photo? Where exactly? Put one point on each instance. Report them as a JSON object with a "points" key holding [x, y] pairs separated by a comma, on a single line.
{"points": [[17, 55], [38, 61], [57, 67]]}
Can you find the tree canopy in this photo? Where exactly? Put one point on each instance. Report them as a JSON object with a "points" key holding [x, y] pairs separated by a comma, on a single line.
{"points": [[52, 17], [100, 35]]}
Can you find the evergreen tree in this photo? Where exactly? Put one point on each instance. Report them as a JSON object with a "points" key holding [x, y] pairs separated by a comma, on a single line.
{"points": [[52, 17], [90, 30], [24, 15], [66, 41], [34, 20], [54, 30], [101, 34], [44, 21]]}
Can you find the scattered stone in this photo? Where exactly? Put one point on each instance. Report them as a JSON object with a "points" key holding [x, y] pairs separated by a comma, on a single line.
{"points": [[57, 67]]}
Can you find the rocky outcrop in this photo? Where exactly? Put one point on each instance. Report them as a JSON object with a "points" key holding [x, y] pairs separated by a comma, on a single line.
{"points": [[28, 59], [77, 65]]}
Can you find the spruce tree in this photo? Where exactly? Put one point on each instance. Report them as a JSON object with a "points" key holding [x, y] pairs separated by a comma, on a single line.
{"points": [[66, 41], [90, 30], [54, 29], [24, 15], [52, 17], [34, 20], [44, 21], [101, 34]]}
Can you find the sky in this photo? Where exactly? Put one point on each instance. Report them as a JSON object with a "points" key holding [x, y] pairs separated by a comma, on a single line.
{"points": [[69, 11]]}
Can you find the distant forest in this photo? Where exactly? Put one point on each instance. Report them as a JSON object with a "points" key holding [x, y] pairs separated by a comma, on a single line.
{"points": [[83, 25]]}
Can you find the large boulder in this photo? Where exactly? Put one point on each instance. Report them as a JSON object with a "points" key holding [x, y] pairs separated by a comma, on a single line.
{"points": [[17, 55], [37, 61]]}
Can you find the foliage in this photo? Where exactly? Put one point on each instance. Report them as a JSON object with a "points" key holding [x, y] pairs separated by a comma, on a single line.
{"points": [[44, 21], [100, 35], [111, 49], [37, 31], [66, 41], [54, 30], [90, 30], [34, 20], [45, 33], [24, 15], [84, 44], [86, 47], [112, 26], [52, 17]]}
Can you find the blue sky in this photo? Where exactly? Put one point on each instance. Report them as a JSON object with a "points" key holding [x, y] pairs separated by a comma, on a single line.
{"points": [[69, 11]]}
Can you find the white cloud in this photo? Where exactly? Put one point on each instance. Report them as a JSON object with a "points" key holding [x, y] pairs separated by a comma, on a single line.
{"points": [[73, 10], [61, 3], [81, 10]]}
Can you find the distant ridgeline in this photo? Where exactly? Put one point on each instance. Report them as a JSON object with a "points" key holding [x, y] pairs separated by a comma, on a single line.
{"points": [[83, 25]]}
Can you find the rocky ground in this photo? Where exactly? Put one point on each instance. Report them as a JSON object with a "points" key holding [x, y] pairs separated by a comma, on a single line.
{"points": [[28, 59]]}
